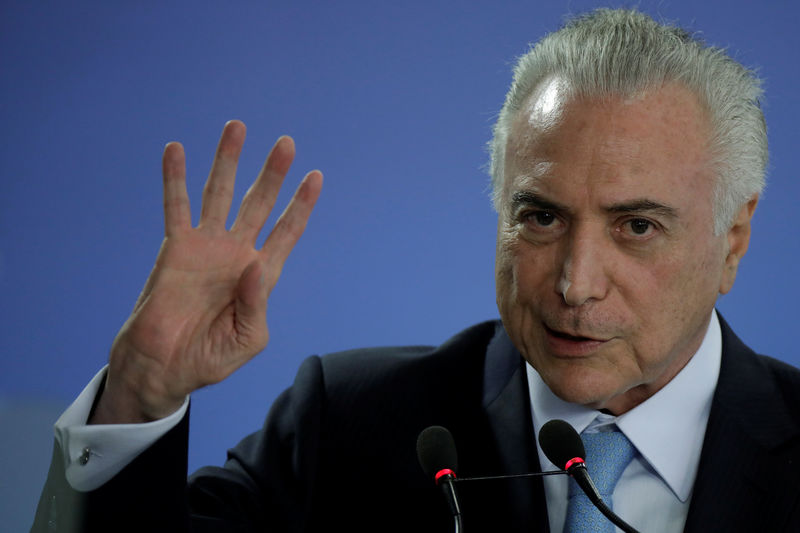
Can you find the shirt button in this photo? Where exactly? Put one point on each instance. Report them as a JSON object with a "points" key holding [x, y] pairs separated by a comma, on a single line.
{"points": [[84, 458]]}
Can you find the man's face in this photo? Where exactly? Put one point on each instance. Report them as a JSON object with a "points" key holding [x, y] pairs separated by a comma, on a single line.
{"points": [[607, 266]]}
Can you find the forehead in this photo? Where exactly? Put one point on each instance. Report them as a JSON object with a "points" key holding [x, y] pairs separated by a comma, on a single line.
{"points": [[658, 137]]}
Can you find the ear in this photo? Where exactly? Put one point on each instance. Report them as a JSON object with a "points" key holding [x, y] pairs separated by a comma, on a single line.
{"points": [[738, 241]]}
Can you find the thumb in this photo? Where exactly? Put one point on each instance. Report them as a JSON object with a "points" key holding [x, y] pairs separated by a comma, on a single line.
{"points": [[250, 318]]}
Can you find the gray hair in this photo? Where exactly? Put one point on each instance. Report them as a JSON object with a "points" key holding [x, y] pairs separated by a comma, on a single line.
{"points": [[623, 52]]}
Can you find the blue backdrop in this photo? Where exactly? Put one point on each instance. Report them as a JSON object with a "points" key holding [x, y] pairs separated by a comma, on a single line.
{"points": [[394, 101]]}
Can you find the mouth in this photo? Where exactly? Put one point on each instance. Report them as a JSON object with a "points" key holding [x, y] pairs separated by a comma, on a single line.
{"points": [[572, 343], [570, 337]]}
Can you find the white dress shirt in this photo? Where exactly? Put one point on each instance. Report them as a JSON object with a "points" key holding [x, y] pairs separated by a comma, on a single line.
{"points": [[667, 430], [94, 454]]}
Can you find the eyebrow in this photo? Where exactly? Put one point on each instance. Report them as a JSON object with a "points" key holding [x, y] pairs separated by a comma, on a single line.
{"points": [[531, 199], [644, 205]]}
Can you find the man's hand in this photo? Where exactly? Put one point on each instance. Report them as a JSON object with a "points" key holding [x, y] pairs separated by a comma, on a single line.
{"points": [[202, 313]]}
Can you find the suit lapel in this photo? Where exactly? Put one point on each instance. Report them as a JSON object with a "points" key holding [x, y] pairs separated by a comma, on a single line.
{"points": [[747, 477], [507, 404]]}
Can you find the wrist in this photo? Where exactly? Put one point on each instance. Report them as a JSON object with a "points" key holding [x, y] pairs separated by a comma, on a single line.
{"points": [[128, 397]]}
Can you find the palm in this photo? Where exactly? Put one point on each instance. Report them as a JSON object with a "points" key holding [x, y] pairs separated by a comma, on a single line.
{"points": [[202, 313], [188, 315]]}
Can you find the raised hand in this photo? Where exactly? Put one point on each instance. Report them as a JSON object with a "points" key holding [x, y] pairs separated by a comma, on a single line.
{"points": [[202, 313]]}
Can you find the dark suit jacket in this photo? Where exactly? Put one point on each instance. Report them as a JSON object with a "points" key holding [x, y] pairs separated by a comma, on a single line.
{"points": [[338, 451]]}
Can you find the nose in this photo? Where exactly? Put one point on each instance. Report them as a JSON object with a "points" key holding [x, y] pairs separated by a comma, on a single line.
{"points": [[584, 277]]}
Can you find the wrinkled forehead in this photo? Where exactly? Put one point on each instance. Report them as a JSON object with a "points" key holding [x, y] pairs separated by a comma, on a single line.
{"points": [[670, 114], [653, 144]]}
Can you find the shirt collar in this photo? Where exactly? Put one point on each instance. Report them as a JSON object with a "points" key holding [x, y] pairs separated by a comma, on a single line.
{"points": [[667, 429]]}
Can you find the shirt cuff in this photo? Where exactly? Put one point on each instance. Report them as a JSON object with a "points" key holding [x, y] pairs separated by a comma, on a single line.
{"points": [[93, 454]]}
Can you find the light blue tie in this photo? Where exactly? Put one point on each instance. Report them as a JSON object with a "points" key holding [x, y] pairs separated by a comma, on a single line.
{"points": [[607, 455]]}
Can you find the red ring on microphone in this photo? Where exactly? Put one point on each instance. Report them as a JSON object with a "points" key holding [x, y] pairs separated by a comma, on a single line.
{"points": [[573, 461], [443, 472]]}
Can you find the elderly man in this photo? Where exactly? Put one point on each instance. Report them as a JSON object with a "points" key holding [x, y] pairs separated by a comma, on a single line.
{"points": [[627, 162]]}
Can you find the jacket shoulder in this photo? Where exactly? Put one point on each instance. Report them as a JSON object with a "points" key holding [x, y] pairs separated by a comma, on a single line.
{"points": [[462, 354], [787, 381]]}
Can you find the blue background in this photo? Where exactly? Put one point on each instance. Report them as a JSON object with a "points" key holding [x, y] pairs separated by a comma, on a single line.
{"points": [[394, 101]]}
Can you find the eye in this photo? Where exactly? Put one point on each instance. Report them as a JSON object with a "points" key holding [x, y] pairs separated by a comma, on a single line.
{"points": [[540, 218], [541, 225], [638, 227]]}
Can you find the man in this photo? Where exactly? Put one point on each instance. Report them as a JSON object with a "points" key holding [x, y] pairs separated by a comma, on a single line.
{"points": [[627, 163]]}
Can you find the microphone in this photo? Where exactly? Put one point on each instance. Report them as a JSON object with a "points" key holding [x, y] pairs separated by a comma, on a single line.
{"points": [[563, 447], [436, 452]]}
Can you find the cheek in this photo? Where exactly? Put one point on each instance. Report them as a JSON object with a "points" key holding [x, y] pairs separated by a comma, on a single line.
{"points": [[503, 268], [672, 298], [522, 272], [691, 279]]}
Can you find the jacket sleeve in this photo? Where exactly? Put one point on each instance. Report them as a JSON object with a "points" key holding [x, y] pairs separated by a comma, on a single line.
{"points": [[266, 483], [150, 490]]}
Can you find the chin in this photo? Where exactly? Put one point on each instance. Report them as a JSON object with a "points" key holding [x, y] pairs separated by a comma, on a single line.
{"points": [[588, 388]]}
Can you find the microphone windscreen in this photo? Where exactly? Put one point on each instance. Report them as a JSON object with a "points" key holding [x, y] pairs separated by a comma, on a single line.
{"points": [[560, 442], [436, 450]]}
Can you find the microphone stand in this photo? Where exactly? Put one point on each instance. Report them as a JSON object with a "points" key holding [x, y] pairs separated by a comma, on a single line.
{"points": [[584, 483], [510, 476], [581, 476], [447, 481], [459, 526], [449, 489], [613, 517]]}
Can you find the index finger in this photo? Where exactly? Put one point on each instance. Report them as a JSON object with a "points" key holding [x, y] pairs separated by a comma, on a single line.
{"points": [[290, 226]]}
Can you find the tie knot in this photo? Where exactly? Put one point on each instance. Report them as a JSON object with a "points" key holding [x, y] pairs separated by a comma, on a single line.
{"points": [[608, 453]]}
